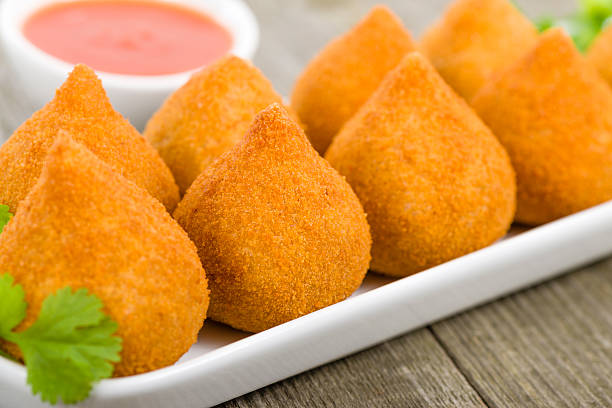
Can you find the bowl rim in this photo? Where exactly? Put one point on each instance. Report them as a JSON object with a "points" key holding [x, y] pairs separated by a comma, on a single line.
{"points": [[234, 15]]}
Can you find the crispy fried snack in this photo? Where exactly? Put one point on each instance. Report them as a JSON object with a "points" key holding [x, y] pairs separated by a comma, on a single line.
{"points": [[83, 225], [279, 231], [475, 38], [346, 72], [434, 181], [208, 116], [600, 54], [82, 108], [553, 113]]}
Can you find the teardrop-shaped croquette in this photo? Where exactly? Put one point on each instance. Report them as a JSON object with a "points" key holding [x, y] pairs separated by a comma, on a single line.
{"points": [[279, 231], [82, 108], [208, 116], [346, 72], [474, 39], [85, 226], [553, 114], [600, 54], [434, 181]]}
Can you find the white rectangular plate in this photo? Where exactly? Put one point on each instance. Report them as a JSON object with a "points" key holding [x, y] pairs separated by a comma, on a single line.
{"points": [[226, 363]]}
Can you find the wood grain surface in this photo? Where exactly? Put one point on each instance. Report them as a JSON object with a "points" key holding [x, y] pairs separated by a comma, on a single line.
{"points": [[412, 370], [549, 346]]}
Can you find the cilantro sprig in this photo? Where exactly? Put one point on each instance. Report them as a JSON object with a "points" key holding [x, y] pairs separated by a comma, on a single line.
{"points": [[584, 24], [68, 348], [5, 216]]}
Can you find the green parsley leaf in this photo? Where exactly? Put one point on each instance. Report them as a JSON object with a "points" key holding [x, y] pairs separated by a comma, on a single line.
{"points": [[544, 23], [69, 347], [5, 216], [12, 304], [6, 355], [596, 10], [584, 24], [582, 29]]}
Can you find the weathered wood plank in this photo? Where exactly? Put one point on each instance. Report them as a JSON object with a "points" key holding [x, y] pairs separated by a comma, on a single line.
{"points": [[411, 371], [549, 346]]}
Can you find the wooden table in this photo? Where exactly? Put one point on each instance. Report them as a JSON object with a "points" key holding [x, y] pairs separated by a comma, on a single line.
{"points": [[549, 346]]}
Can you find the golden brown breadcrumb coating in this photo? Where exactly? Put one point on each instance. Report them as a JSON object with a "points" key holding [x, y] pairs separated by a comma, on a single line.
{"points": [[346, 72], [434, 181], [208, 115], [600, 53], [82, 108], [279, 231], [83, 225], [553, 113], [474, 39]]}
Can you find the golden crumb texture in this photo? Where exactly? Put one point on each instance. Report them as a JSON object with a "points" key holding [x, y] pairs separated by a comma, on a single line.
{"points": [[346, 72], [476, 38], [82, 109], [84, 226], [208, 115], [279, 231], [434, 181], [553, 113]]}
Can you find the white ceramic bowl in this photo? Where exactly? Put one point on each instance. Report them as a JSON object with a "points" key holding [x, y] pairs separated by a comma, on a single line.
{"points": [[136, 97]]}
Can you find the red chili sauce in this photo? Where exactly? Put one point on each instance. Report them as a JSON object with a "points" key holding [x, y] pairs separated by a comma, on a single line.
{"points": [[128, 37]]}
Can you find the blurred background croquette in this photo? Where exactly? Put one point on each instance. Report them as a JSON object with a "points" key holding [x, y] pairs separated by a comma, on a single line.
{"points": [[434, 181], [279, 231], [346, 72], [553, 113], [208, 115], [600, 53], [474, 39], [82, 108]]}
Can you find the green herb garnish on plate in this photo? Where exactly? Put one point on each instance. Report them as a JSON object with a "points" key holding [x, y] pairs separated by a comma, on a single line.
{"points": [[584, 24], [68, 348]]}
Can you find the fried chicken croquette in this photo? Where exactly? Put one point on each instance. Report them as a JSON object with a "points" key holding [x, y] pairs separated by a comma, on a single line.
{"points": [[434, 181], [600, 54], [82, 108], [208, 116], [83, 225], [474, 39], [279, 231], [346, 72], [553, 113]]}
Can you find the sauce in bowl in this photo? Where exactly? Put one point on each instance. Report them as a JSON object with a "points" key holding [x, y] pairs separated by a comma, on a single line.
{"points": [[128, 37]]}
